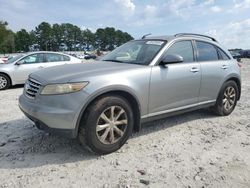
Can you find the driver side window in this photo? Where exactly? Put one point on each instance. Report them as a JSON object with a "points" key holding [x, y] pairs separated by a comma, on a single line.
{"points": [[182, 48]]}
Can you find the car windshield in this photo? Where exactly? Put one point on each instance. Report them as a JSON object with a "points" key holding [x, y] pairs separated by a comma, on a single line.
{"points": [[14, 58], [135, 52]]}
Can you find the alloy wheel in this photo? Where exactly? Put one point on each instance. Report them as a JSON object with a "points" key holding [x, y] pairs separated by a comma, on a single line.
{"points": [[3, 82], [229, 98], [111, 125]]}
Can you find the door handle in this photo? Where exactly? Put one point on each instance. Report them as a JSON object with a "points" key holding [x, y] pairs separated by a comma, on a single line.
{"points": [[41, 67], [194, 69], [224, 66]]}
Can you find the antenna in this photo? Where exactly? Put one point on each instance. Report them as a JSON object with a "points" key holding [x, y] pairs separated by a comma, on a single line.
{"points": [[144, 36]]}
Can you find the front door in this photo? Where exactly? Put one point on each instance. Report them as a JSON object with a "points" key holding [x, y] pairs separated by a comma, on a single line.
{"points": [[175, 85], [28, 65]]}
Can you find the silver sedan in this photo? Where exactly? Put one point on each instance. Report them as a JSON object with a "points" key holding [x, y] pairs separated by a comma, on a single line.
{"points": [[18, 68]]}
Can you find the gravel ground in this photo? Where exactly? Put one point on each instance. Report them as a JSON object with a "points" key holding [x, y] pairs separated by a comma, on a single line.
{"points": [[196, 149]]}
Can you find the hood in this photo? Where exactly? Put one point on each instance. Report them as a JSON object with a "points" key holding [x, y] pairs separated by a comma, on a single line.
{"points": [[65, 73]]}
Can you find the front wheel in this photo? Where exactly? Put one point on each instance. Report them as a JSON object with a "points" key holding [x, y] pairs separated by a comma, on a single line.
{"points": [[227, 99], [108, 124]]}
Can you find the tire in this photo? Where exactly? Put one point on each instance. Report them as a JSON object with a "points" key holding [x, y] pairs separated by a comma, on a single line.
{"points": [[227, 99], [4, 82], [101, 128]]}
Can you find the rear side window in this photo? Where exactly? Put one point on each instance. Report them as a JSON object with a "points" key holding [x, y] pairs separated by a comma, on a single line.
{"points": [[222, 54], [206, 51], [182, 48], [54, 57], [66, 58]]}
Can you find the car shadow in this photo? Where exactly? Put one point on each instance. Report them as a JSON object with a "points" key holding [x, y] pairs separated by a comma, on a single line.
{"points": [[22, 145], [17, 86]]}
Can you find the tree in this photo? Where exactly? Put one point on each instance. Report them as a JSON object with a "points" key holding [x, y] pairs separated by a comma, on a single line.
{"points": [[44, 35], [88, 38], [22, 40], [7, 44], [109, 38], [50, 37]]}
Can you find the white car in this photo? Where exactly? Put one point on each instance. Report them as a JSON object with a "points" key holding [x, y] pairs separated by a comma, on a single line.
{"points": [[17, 69]]}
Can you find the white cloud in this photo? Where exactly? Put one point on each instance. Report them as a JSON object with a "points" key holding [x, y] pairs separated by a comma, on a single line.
{"points": [[178, 7], [215, 9], [150, 10], [233, 35], [209, 2], [242, 4], [15, 4], [127, 6]]}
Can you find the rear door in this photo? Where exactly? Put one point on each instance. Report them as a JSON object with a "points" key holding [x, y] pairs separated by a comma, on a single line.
{"points": [[175, 85], [214, 67]]}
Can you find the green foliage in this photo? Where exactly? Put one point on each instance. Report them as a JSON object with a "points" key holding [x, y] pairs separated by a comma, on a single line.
{"points": [[50, 37], [22, 41], [6, 38]]}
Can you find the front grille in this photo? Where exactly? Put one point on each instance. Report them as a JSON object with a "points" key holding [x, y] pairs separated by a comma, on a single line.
{"points": [[31, 88]]}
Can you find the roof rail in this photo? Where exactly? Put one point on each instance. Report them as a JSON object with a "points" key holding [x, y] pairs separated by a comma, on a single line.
{"points": [[193, 34], [144, 36]]}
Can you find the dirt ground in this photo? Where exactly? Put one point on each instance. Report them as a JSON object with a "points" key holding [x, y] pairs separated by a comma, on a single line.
{"points": [[196, 149]]}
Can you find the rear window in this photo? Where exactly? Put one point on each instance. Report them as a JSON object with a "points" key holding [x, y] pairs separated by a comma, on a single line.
{"points": [[206, 51]]}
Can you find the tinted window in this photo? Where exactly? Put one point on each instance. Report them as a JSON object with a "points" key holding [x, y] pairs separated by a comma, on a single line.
{"points": [[66, 58], [184, 49], [54, 57], [206, 52], [223, 55], [34, 58]]}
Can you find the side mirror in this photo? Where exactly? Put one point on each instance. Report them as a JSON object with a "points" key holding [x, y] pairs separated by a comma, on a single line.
{"points": [[238, 60], [172, 58], [20, 62]]}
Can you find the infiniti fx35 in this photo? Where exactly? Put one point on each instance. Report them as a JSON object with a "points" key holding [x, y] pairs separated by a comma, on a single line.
{"points": [[103, 102]]}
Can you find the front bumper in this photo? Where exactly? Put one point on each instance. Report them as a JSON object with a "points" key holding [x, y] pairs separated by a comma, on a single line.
{"points": [[42, 126], [51, 117]]}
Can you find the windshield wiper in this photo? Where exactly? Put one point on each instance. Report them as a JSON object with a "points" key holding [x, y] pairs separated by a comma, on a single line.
{"points": [[113, 60]]}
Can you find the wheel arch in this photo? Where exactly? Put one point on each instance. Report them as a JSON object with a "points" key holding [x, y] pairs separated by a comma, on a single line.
{"points": [[238, 82], [133, 101]]}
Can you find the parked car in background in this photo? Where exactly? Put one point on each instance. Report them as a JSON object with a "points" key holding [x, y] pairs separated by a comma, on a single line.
{"points": [[86, 55], [236, 55], [101, 103], [3, 59], [89, 56], [18, 68], [245, 53]]}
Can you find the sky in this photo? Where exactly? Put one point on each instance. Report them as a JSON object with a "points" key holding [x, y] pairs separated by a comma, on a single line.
{"points": [[226, 20]]}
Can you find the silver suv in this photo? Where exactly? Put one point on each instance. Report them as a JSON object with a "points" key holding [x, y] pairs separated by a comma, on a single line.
{"points": [[103, 102]]}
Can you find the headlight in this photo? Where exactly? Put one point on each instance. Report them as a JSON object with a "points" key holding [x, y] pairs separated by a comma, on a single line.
{"points": [[54, 89]]}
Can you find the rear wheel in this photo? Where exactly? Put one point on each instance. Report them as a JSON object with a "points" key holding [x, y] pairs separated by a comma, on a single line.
{"points": [[108, 124], [4, 82], [227, 99]]}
